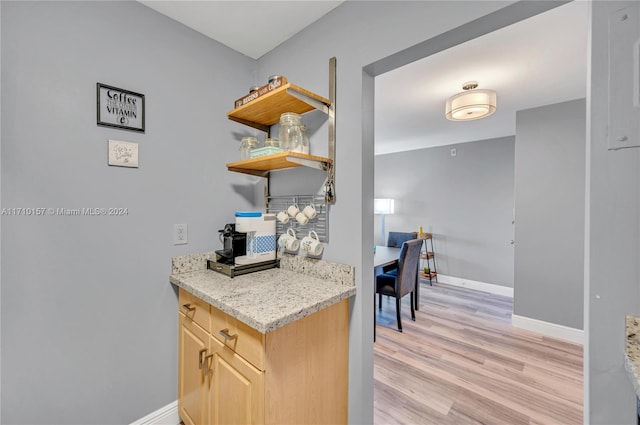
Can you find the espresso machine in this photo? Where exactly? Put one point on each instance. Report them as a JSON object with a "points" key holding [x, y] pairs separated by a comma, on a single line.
{"points": [[234, 244], [248, 245]]}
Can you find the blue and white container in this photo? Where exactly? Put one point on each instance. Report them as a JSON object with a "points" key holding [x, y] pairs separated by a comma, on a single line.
{"points": [[261, 236]]}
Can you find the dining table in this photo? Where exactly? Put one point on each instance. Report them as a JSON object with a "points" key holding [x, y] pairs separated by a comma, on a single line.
{"points": [[385, 256]]}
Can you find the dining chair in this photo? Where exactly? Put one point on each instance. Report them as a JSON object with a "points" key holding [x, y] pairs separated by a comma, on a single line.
{"points": [[396, 239], [403, 282]]}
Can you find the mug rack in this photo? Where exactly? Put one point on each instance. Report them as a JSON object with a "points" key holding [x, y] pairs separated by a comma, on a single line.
{"points": [[319, 224]]}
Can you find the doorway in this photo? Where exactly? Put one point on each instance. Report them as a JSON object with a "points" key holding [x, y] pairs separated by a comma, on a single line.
{"points": [[433, 46]]}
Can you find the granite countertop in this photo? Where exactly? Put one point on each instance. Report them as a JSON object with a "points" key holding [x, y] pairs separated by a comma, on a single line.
{"points": [[269, 299], [632, 351]]}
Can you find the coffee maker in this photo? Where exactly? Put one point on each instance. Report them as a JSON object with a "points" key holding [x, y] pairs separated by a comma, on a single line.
{"points": [[248, 245], [234, 244]]}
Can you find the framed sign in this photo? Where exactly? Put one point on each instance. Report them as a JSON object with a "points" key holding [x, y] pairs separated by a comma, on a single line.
{"points": [[120, 108]]}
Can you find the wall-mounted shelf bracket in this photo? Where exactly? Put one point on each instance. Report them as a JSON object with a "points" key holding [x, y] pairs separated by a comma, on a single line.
{"points": [[318, 165], [321, 106]]}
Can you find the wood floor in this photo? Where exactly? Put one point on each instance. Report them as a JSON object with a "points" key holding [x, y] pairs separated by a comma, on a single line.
{"points": [[461, 362]]}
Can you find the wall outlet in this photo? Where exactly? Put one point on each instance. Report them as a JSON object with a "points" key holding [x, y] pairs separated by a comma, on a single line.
{"points": [[180, 234]]}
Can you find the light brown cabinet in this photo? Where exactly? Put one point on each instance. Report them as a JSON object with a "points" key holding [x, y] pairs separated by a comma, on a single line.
{"points": [[236, 388], [296, 374], [193, 343]]}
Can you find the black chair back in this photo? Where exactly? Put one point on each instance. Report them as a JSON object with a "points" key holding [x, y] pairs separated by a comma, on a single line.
{"points": [[398, 238], [408, 266]]}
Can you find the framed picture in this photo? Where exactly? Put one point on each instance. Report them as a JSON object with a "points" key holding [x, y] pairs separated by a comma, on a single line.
{"points": [[120, 108]]}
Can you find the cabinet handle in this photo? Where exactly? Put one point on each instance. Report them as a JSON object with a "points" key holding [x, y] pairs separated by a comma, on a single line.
{"points": [[188, 308], [200, 361], [209, 368], [225, 334]]}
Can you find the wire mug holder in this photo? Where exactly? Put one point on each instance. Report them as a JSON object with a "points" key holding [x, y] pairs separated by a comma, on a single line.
{"points": [[319, 224]]}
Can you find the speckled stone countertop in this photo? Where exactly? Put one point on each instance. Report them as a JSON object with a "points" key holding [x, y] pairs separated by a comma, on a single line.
{"points": [[632, 351], [269, 299]]}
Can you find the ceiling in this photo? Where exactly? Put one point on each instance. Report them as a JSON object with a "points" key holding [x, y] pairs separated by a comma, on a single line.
{"points": [[245, 26], [539, 61], [535, 62]]}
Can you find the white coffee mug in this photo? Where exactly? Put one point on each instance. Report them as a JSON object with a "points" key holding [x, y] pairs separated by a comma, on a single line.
{"points": [[311, 244], [293, 210], [310, 211], [289, 241], [302, 218], [283, 217]]}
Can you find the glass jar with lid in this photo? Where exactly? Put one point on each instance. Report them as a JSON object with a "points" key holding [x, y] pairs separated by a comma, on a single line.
{"points": [[290, 132], [272, 143], [246, 145]]}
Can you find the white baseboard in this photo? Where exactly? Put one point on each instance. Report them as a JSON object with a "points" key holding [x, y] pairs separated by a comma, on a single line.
{"points": [[476, 285], [166, 415], [549, 329]]}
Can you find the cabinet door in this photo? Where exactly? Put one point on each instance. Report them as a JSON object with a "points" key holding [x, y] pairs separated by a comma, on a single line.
{"points": [[236, 392], [193, 342]]}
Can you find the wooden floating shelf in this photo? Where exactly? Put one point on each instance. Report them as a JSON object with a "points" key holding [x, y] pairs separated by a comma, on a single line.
{"points": [[266, 110], [426, 255], [428, 276], [425, 235], [278, 161]]}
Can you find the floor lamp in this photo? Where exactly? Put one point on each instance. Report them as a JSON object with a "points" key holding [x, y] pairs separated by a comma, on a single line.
{"points": [[383, 207]]}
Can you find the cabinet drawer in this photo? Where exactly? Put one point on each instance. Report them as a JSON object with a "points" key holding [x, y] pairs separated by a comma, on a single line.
{"points": [[195, 309], [239, 337]]}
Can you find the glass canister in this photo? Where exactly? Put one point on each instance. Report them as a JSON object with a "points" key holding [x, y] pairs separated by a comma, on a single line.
{"points": [[290, 132], [304, 140], [274, 143], [246, 145]]}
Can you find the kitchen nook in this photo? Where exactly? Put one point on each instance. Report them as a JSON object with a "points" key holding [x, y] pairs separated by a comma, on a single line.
{"points": [[267, 347]]}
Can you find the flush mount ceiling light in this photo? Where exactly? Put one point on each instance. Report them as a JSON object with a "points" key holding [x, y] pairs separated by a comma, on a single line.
{"points": [[471, 104]]}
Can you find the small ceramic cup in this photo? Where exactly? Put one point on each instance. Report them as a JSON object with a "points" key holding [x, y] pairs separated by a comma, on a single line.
{"points": [[283, 217], [293, 210], [311, 244], [302, 218], [289, 241], [310, 211]]}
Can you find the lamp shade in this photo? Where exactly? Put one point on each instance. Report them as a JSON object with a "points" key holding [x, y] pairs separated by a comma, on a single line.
{"points": [[471, 104], [383, 206]]}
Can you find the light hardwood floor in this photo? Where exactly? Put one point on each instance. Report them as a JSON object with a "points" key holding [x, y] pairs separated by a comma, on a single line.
{"points": [[461, 362]]}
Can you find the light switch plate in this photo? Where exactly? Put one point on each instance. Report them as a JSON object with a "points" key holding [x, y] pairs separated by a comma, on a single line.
{"points": [[180, 234], [123, 154]]}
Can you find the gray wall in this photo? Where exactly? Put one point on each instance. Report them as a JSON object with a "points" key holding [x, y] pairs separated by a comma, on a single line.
{"points": [[89, 324], [613, 253], [549, 207], [466, 201]]}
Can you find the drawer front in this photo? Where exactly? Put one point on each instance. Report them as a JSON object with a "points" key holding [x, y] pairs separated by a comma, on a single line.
{"points": [[239, 337], [195, 309]]}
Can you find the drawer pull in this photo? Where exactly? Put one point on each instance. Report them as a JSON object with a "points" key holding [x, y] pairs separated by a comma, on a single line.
{"points": [[209, 361], [200, 361], [188, 308], [226, 336]]}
